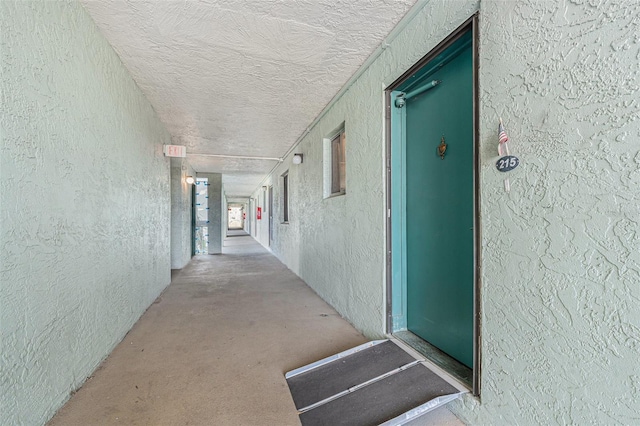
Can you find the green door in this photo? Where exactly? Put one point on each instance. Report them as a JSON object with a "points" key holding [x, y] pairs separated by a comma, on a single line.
{"points": [[440, 203]]}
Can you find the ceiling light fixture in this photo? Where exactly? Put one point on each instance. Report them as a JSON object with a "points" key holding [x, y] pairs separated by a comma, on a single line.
{"points": [[297, 158], [190, 180]]}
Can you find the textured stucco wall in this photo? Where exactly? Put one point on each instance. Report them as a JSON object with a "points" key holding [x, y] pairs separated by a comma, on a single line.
{"points": [[561, 252], [561, 268], [181, 205], [85, 205]]}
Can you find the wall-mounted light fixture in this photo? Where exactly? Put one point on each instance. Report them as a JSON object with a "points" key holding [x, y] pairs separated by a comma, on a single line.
{"points": [[297, 158], [190, 180]]}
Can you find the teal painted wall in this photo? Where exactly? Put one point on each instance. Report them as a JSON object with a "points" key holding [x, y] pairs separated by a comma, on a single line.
{"points": [[84, 205]]}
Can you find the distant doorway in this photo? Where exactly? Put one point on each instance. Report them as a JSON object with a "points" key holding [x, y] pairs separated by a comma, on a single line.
{"points": [[270, 215], [235, 218], [201, 201], [193, 220], [252, 217]]}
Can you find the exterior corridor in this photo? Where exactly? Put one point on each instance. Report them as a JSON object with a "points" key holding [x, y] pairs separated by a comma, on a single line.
{"points": [[214, 347]]}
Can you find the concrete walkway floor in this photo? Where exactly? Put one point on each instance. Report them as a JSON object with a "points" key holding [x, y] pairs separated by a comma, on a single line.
{"points": [[214, 347]]}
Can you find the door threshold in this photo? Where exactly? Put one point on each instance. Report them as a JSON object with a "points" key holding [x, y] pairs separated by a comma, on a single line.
{"points": [[444, 363]]}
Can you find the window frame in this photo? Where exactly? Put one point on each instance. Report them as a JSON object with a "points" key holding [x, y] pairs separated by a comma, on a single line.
{"points": [[285, 196], [335, 150]]}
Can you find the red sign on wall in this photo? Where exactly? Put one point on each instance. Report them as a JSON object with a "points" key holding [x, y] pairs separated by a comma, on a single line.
{"points": [[259, 214], [175, 150]]}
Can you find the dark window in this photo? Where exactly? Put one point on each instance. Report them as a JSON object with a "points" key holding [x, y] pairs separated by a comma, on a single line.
{"points": [[338, 164], [285, 197]]}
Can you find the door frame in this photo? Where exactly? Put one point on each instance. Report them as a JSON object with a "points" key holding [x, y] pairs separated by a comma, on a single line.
{"points": [[392, 164], [193, 220], [252, 213], [270, 206]]}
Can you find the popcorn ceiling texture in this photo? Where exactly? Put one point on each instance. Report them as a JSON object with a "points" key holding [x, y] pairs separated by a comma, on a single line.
{"points": [[560, 253], [85, 200], [242, 77]]}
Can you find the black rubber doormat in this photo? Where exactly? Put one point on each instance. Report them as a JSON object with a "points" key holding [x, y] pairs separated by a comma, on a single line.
{"points": [[377, 383]]}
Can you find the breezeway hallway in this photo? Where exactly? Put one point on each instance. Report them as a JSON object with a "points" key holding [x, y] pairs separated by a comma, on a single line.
{"points": [[214, 347], [463, 176]]}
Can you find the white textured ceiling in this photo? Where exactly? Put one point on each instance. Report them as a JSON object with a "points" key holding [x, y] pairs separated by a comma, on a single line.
{"points": [[242, 77]]}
